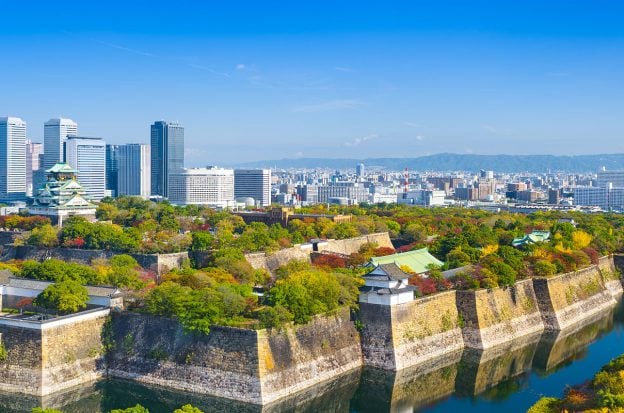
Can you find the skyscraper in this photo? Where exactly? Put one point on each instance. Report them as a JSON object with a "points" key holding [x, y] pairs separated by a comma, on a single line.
{"points": [[88, 156], [359, 170], [167, 154], [253, 183], [12, 159], [34, 163], [112, 168], [133, 175], [55, 133]]}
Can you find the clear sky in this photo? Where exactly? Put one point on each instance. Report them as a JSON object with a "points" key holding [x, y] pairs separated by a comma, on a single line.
{"points": [[253, 80]]}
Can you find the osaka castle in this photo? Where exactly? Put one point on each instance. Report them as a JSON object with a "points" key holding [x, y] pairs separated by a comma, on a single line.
{"points": [[61, 195]]}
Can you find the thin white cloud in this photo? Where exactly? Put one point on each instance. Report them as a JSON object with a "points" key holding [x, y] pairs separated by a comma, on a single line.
{"points": [[490, 129], [241, 66], [126, 49], [208, 69], [298, 154], [419, 138], [359, 141], [413, 125], [343, 69], [338, 104]]}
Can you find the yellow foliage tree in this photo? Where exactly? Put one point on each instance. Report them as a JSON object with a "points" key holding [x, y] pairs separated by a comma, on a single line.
{"points": [[489, 249], [580, 239]]}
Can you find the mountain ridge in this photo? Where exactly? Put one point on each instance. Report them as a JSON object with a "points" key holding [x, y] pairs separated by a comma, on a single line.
{"points": [[459, 162]]}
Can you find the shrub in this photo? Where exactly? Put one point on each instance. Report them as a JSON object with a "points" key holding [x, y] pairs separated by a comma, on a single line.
{"points": [[546, 405], [274, 317], [543, 268], [136, 409], [64, 296]]}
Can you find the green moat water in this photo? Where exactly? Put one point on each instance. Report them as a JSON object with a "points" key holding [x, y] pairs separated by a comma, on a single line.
{"points": [[507, 379]]}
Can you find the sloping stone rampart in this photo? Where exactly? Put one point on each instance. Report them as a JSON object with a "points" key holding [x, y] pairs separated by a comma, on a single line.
{"points": [[251, 366], [273, 260], [498, 315], [569, 298], [399, 336], [48, 357]]}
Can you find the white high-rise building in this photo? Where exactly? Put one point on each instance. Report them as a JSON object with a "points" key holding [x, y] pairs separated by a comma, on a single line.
{"points": [[55, 133], [34, 164], [202, 186], [253, 183], [134, 172], [88, 157], [12, 159]]}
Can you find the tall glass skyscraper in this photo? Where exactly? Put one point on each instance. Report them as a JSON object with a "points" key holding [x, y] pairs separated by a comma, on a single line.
{"points": [[112, 169], [167, 157], [55, 133], [34, 162], [88, 156], [134, 170], [12, 159]]}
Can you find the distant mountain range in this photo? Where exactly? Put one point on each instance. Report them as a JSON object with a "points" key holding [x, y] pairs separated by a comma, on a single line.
{"points": [[459, 162]]}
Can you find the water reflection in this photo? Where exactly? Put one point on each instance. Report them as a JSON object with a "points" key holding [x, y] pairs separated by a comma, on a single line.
{"points": [[500, 378]]}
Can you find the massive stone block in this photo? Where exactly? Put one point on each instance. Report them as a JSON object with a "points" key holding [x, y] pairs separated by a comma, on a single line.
{"points": [[495, 316]]}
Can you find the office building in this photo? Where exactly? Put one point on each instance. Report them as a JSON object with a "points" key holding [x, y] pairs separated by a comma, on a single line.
{"points": [[112, 166], [253, 183], [202, 186], [34, 166], [88, 157], [12, 159], [607, 198], [55, 133], [133, 174], [167, 155], [615, 178], [359, 170], [354, 192]]}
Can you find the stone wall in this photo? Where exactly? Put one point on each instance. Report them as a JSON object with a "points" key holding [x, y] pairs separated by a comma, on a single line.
{"points": [[293, 359], [351, 245], [273, 260], [7, 237], [566, 299], [159, 263], [21, 371], [399, 336], [495, 316], [246, 365], [43, 358]]}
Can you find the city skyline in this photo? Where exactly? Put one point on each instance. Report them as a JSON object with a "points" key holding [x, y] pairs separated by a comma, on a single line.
{"points": [[355, 80]]}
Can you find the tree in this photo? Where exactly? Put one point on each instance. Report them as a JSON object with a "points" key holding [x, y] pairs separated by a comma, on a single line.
{"points": [[64, 296], [544, 268], [42, 410], [201, 241], [187, 408], [136, 409], [43, 236]]}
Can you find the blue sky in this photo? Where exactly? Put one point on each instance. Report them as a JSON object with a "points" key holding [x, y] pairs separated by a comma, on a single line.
{"points": [[271, 80]]}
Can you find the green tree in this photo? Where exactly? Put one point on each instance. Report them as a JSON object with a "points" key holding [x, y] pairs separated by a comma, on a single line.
{"points": [[544, 268], [187, 408], [43, 236], [42, 410], [64, 297], [136, 409], [201, 241]]}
